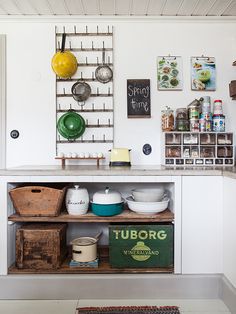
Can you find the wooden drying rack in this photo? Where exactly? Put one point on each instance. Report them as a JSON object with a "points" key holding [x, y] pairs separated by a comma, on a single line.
{"points": [[63, 159]]}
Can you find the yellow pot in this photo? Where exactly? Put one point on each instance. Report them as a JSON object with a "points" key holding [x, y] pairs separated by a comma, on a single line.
{"points": [[64, 64]]}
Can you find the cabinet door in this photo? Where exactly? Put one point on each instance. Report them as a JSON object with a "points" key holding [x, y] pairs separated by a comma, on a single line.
{"points": [[202, 206], [229, 230]]}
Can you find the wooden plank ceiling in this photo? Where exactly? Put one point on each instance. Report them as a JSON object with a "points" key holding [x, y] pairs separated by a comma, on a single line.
{"points": [[119, 7]]}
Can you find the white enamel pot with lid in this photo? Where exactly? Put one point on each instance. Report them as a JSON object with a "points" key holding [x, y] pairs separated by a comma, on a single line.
{"points": [[107, 196], [84, 249], [77, 200]]}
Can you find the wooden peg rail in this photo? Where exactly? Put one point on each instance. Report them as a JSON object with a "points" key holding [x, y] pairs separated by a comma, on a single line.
{"points": [[86, 110], [92, 95], [63, 159], [84, 141], [89, 79], [84, 34]]}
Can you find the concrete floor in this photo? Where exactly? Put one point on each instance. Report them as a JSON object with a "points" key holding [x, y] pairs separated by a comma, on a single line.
{"points": [[214, 306]]}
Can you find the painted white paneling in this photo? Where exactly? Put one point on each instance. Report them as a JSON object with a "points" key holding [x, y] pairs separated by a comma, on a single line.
{"points": [[172, 7], [91, 7], [133, 42], [139, 7], [155, 7], [203, 7], [107, 7], [229, 230], [74, 7], [9, 7], [42, 7], [202, 225], [187, 7], [25, 7], [231, 9], [219, 7], [58, 7], [122, 7]]}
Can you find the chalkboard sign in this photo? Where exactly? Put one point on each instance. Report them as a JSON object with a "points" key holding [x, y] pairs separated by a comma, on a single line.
{"points": [[138, 99]]}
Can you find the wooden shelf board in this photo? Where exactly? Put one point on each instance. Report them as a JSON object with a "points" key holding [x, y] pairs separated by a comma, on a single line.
{"points": [[125, 216], [103, 268]]}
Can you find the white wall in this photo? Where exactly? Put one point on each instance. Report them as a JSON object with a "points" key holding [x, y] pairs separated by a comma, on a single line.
{"points": [[31, 83]]}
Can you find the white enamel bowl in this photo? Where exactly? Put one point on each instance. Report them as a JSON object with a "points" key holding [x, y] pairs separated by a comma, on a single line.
{"points": [[147, 208], [148, 194]]}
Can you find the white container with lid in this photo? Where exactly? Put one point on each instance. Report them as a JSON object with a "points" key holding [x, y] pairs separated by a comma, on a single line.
{"points": [[107, 197], [77, 200], [217, 110]]}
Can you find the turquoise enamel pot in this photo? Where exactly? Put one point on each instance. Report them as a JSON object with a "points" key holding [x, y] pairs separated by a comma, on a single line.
{"points": [[107, 209]]}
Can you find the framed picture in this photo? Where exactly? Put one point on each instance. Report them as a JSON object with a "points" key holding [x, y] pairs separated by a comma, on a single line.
{"points": [[169, 73], [203, 73]]}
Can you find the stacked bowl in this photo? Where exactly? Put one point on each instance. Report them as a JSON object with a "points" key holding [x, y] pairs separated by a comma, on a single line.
{"points": [[148, 201]]}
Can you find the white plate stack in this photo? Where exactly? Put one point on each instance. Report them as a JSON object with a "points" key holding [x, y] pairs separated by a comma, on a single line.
{"points": [[148, 201]]}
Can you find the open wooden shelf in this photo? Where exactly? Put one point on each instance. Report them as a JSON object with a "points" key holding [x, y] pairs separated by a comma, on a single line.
{"points": [[126, 216], [103, 268]]}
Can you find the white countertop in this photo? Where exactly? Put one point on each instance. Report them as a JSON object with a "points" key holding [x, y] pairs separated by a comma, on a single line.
{"points": [[139, 170]]}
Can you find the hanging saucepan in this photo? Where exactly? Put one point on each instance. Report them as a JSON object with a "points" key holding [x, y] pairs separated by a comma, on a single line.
{"points": [[64, 63], [84, 249], [81, 91], [71, 125], [103, 73]]}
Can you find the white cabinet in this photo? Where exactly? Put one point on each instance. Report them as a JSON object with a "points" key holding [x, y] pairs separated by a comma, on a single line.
{"points": [[229, 229], [202, 207]]}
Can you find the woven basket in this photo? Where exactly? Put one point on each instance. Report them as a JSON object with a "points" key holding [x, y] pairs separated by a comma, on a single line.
{"points": [[37, 200]]}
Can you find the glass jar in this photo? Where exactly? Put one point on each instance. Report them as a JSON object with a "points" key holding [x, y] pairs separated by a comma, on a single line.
{"points": [[181, 114], [182, 125], [167, 119]]}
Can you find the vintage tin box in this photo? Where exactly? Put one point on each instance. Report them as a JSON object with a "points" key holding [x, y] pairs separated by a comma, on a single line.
{"points": [[141, 245]]}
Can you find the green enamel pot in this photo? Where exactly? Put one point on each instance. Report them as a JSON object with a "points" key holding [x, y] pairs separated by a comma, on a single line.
{"points": [[71, 125]]}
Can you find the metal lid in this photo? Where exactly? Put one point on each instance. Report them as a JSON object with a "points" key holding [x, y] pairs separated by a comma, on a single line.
{"points": [[84, 241]]}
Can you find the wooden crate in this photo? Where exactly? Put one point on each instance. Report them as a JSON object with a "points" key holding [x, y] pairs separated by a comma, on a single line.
{"points": [[141, 245], [41, 246], [37, 200]]}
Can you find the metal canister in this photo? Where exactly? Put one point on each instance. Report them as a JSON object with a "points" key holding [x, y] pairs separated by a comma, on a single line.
{"points": [[205, 125], [205, 122], [194, 109], [218, 123], [194, 125]]}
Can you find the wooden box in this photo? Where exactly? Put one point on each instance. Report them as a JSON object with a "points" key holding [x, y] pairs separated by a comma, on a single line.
{"points": [[141, 245], [37, 200], [41, 246]]}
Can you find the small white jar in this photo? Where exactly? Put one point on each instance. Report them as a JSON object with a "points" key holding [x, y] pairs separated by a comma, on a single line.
{"points": [[77, 200]]}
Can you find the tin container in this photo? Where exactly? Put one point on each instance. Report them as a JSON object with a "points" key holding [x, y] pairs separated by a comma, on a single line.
{"points": [[217, 108], [194, 125], [193, 112], [218, 123], [205, 125], [206, 104], [194, 109]]}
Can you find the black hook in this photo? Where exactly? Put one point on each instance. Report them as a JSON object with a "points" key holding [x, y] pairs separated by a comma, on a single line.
{"points": [[74, 29]]}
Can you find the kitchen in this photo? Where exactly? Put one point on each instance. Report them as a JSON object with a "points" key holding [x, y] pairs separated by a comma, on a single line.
{"points": [[137, 42]]}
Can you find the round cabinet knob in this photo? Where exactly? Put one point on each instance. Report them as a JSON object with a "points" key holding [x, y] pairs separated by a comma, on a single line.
{"points": [[14, 134]]}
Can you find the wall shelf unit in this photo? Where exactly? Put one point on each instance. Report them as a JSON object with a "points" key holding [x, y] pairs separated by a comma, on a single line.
{"points": [[87, 44]]}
